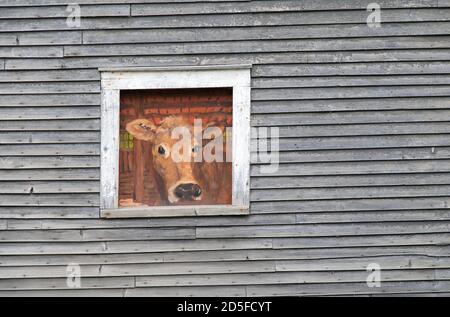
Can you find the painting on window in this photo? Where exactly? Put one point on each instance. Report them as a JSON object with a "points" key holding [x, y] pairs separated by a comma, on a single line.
{"points": [[175, 147]]}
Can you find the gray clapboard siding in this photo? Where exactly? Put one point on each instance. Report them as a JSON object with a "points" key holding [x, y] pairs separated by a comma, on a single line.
{"points": [[110, 270], [49, 100], [193, 245], [42, 52], [323, 230], [314, 69], [348, 192], [268, 182], [129, 247], [361, 142], [50, 187], [46, 125], [51, 149], [31, 3], [220, 256], [313, 244], [440, 294], [49, 76], [351, 129], [399, 68], [58, 21], [351, 205], [312, 57], [389, 288], [224, 20], [44, 272], [49, 137], [66, 293], [343, 81], [350, 117], [242, 33], [273, 45], [213, 291], [98, 235], [61, 11], [362, 241], [50, 174], [51, 248], [285, 278], [188, 268], [282, 219], [377, 216], [262, 6], [55, 260], [49, 88], [350, 155], [61, 283], [207, 269], [8, 39], [381, 154], [363, 116], [50, 38], [327, 105], [181, 60], [126, 247], [342, 168], [154, 223], [347, 93], [48, 212], [357, 264], [275, 5], [257, 244], [48, 200], [49, 162], [315, 44], [48, 113]]}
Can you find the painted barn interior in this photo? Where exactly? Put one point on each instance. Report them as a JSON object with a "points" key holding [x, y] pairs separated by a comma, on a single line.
{"points": [[363, 115], [139, 182]]}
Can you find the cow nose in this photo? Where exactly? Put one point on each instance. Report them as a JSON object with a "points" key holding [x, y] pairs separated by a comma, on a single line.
{"points": [[197, 191], [187, 191]]}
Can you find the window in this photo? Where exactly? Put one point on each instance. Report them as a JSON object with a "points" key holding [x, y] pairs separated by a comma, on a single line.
{"points": [[175, 141]]}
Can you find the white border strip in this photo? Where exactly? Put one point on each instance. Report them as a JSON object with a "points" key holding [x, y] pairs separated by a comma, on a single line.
{"points": [[114, 80]]}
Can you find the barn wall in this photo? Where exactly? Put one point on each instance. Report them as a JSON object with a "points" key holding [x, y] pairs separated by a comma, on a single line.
{"points": [[365, 150]]}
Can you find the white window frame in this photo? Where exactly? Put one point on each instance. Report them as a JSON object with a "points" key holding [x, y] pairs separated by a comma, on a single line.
{"points": [[113, 80]]}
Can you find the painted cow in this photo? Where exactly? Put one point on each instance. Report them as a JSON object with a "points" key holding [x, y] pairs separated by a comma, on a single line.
{"points": [[183, 182]]}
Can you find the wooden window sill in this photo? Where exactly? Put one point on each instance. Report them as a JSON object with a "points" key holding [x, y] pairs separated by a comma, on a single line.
{"points": [[174, 211]]}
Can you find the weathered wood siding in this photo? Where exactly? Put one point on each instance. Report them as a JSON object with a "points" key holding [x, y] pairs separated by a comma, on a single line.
{"points": [[364, 118]]}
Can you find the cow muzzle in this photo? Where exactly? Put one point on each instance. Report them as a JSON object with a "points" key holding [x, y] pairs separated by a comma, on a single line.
{"points": [[188, 191]]}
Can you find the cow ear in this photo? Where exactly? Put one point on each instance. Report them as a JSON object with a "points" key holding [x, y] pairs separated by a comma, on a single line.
{"points": [[142, 129]]}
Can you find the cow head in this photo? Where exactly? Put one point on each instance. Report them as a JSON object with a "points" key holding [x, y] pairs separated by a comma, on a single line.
{"points": [[180, 183]]}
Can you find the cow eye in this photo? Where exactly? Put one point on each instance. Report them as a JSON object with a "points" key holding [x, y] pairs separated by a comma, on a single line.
{"points": [[195, 149], [161, 150]]}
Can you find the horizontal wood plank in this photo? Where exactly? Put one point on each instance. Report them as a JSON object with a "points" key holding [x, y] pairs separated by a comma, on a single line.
{"points": [[363, 174]]}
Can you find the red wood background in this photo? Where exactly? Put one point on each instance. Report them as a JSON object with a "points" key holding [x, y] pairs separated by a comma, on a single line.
{"points": [[139, 183]]}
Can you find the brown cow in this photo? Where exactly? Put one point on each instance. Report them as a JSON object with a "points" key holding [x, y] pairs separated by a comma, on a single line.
{"points": [[183, 182]]}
